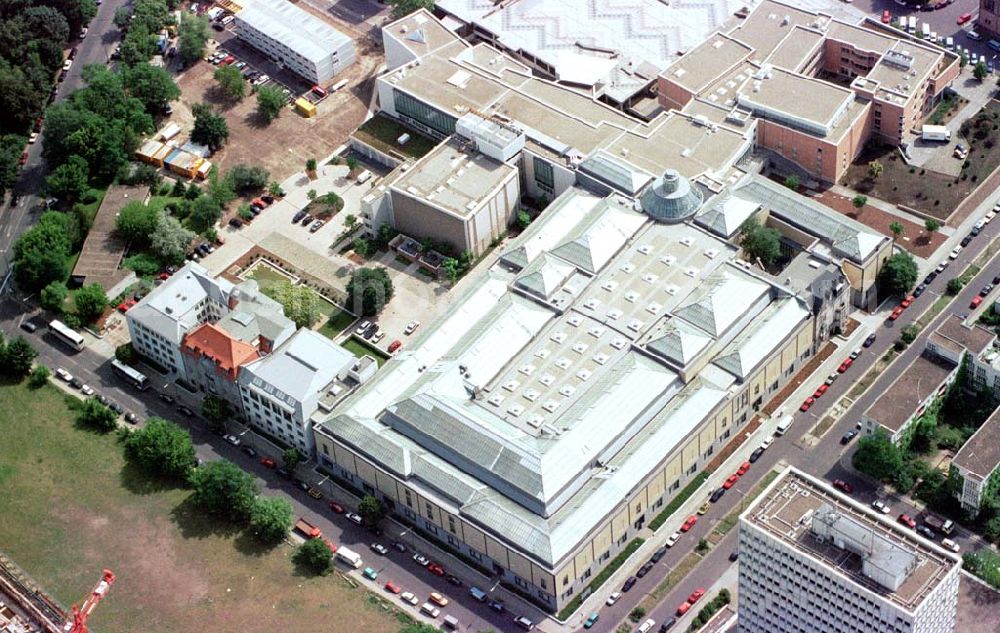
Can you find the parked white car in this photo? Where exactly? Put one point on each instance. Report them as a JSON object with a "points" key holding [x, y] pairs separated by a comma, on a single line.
{"points": [[62, 374]]}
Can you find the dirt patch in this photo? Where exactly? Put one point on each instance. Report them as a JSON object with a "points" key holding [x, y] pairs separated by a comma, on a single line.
{"points": [[283, 146], [850, 325], [799, 378], [736, 442], [914, 238]]}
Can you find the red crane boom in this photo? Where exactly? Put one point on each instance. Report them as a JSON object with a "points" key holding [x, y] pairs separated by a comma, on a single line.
{"points": [[80, 615]]}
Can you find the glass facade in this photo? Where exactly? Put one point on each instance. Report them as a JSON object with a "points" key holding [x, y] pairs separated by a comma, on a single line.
{"points": [[423, 114], [544, 174]]}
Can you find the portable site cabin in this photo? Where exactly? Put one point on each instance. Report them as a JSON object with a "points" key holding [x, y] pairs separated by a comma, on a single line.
{"points": [[203, 169], [305, 108], [168, 132], [183, 163], [153, 152]]}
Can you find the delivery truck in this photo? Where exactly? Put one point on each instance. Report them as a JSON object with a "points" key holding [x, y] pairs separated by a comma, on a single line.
{"points": [[939, 525], [935, 133]]}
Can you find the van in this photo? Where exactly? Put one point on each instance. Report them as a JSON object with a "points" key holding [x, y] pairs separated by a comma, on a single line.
{"points": [[949, 43], [430, 610], [363, 177], [451, 622], [925, 30], [783, 425], [477, 594], [911, 24], [524, 623]]}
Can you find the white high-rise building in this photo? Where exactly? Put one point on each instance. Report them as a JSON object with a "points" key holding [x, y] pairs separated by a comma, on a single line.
{"points": [[812, 559]]}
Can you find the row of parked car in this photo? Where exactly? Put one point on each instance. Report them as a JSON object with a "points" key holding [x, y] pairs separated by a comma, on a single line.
{"points": [[257, 206], [86, 390]]}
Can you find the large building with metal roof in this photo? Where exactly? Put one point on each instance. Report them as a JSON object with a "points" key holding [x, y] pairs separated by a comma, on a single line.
{"points": [[560, 403], [812, 559], [310, 47]]}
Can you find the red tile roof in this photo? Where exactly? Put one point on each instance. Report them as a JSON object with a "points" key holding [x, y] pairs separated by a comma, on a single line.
{"points": [[215, 343]]}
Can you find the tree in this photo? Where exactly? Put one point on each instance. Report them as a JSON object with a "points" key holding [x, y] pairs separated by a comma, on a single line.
{"points": [[161, 447], [216, 410], [369, 290], [878, 457], [222, 488], [361, 246], [954, 286], [371, 510], [144, 264], [270, 101], [69, 180], [11, 146], [984, 563], [138, 46], [231, 84], [875, 169], [352, 163], [41, 254], [299, 303], [451, 269], [96, 415], [39, 376], [792, 182], [125, 353], [315, 556], [350, 221], [291, 457], [931, 225], [980, 71], [53, 296], [152, 85], [205, 212], [210, 128], [897, 229], [90, 302], [245, 179], [859, 201], [311, 165], [170, 240], [271, 518], [760, 242], [193, 35], [899, 274], [18, 357], [137, 221], [401, 8], [523, 219], [122, 17]]}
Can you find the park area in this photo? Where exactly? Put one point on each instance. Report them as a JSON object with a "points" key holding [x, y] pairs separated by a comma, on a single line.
{"points": [[72, 505]]}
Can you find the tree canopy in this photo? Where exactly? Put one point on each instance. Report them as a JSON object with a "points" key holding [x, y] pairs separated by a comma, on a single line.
{"points": [[223, 488], [205, 212], [69, 181], [90, 301], [230, 81], [210, 128], [271, 518], [899, 274], [371, 510], [53, 296], [94, 414], [247, 179], [137, 221], [41, 254], [314, 556], [270, 101], [369, 290], [151, 85], [18, 357], [878, 457], [170, 240], [193, 35], [401, 8], [760, 242], [300, 303], [161, 447]]}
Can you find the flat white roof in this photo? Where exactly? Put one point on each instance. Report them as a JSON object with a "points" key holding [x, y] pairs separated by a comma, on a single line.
{"points": [[299, 30]]}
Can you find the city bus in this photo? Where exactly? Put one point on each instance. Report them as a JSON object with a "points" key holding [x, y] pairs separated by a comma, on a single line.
{"points": [[66, 334], [136, 379]]}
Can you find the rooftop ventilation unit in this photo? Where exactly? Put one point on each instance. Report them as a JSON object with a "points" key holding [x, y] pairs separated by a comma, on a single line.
{"points": [[563, 363], [542, 353], [619, 343], [614, 313], [547, 380]]}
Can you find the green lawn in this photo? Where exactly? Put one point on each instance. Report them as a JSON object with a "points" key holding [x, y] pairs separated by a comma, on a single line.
{"points": [[337, 321], [71, 506], [359, 349], [267, 277], [381, 132]]}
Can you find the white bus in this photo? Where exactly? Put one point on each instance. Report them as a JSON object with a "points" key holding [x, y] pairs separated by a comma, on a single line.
{"points": [[65, 334], [349, 556], [135, 378]]}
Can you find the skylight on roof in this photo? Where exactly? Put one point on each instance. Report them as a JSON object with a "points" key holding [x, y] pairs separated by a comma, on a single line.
{"points": [[460, 79]]}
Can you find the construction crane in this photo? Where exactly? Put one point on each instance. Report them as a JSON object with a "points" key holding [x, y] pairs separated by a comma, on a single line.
{"points": [[80, 615]]}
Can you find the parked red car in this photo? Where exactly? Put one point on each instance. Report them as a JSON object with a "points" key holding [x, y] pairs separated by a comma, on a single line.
{"points": [[729, 483], [126, 305], [906, 520], [392, 587], [896, 312], [905, 303], [962, 19], [842, 485], [696, 595], [267, 462], [681, 610], [336, 507], [395, 345], [844, 366], [886, 16], [976, 301], [821, 390], [744, 467], [436, 569], [691, 520], [808, 403]]}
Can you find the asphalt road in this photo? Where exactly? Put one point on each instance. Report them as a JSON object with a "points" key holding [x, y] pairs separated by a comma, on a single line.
{"points": [[96, 48], [828, 459]]}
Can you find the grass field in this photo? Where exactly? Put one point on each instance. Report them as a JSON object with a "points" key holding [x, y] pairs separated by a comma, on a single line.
{"points": [[359, 349], [72, 506], [337, 321]]}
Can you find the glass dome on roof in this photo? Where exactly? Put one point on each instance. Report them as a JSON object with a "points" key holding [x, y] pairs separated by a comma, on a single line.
{"points": [[671, 198]]}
